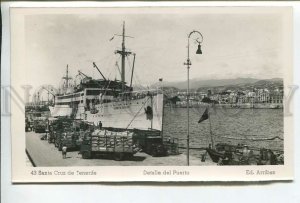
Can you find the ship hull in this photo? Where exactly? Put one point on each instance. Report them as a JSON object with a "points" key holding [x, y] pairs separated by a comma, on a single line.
{"points": [[60, 111], [128, 114]]}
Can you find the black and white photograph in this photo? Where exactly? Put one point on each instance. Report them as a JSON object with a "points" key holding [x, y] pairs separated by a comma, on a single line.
{"points": [[183, 87]]}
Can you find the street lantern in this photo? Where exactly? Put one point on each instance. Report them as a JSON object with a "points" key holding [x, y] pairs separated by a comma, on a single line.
{"points": [[188, 64], [199, 51]]}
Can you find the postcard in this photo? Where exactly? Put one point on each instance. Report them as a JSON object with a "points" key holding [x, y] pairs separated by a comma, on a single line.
{"points": [[124, 94]]}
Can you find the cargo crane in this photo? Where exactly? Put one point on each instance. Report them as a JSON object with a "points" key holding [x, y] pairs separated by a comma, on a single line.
{"points": [[95, 66], [82, 74]]}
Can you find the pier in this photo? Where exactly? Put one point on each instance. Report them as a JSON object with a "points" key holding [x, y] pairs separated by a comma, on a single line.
{"points": [[41, 153]]}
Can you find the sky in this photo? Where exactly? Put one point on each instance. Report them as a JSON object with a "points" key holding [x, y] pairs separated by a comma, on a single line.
{"points": [[235, 44]]}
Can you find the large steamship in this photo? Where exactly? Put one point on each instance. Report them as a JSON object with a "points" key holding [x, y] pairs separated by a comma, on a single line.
{"points": [[111, 102]]}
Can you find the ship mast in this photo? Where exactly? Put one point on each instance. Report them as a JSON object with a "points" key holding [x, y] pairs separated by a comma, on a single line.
{"points": [[123, 57], [123, 54], [67, 78]]}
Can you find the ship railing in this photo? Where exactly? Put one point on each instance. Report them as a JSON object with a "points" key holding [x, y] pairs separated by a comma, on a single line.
{"points": [[150, 92]]}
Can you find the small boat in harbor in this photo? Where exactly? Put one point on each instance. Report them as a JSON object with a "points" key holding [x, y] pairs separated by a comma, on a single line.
{"points": [[227, 154], [240, 154]]}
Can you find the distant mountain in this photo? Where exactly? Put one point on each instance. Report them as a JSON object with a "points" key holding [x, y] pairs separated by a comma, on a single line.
{"points": [[269, 84], [237, 83], [269, 81], [196, 83]]}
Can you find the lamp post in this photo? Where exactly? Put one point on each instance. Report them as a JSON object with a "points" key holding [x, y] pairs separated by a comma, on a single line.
{"points": [[188, 64], [162, 90]]}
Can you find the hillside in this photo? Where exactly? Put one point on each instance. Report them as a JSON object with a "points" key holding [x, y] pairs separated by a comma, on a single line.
{"points": [[226, 83]]}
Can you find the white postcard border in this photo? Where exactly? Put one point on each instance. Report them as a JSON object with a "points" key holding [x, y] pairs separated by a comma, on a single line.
{"points": [[129, 173]]}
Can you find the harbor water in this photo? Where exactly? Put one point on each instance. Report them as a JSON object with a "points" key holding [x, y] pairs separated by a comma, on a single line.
{"points": [[253, 127]]}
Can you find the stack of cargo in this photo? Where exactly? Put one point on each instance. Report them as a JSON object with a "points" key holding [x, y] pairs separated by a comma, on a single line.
{"points": [[40, 124], [71, 136], [104, 140], [96, 141]]}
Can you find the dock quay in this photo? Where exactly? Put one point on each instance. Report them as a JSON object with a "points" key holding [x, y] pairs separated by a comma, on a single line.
{"points": [[45, 154]]}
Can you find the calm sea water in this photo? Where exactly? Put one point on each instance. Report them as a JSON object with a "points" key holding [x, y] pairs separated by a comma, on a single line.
{"points": [[227, 125]]}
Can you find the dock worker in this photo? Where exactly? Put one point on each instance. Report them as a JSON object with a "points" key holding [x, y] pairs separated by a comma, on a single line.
{"points": [[100, 125], [48, 135], [64, 151], [244, 160], [246, 151]]}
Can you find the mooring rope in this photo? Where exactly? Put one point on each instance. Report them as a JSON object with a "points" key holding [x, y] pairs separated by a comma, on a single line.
{"points": [[137, 113]]}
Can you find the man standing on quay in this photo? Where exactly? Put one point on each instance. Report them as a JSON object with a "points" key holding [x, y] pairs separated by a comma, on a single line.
{"points": [[64, 151]]}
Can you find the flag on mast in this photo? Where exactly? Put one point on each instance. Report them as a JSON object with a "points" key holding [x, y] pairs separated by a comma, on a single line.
{"points": [[204, 116]]}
